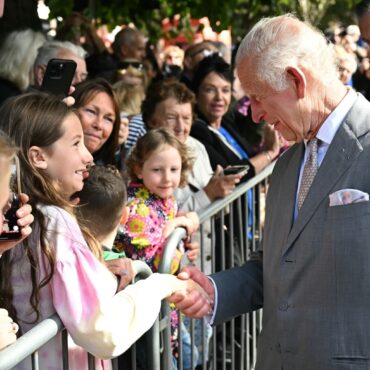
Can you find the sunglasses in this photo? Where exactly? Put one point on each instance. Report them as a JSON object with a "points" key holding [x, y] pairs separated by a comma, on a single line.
{"points": [[136, 65]]}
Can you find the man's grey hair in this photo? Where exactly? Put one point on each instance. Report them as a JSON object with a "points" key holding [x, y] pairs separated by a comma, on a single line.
{"points": [[51, 50], [274, 44]]}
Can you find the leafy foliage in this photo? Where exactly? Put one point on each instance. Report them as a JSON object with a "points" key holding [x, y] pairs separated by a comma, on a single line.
{"points": [[240, 15]]}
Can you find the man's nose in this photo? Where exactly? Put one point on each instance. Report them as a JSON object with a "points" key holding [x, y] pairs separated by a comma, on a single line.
{"points": [[179, 125]]}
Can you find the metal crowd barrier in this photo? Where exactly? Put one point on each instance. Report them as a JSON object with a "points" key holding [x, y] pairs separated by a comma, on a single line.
{"points": [[29, 343], [230, 239]]}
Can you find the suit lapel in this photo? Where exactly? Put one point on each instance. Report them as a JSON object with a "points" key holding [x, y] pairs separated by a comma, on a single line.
{"points": [[341, 153], [288, 186], [281, 197]]}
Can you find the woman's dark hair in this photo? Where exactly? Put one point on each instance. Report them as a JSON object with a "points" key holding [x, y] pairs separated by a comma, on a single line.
{"points": [[212, 63], [86, 91], [161, 91]]}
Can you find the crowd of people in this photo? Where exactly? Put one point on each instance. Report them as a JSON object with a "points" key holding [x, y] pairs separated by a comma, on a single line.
{"points": [[140, 147]]}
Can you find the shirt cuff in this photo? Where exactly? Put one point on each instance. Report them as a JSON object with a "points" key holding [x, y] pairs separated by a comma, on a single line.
{"points": [[211, 317]]}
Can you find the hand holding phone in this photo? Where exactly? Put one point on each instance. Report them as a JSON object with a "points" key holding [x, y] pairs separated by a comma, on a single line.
{"points": [[11, 229], [59, 76], [236, 170]]}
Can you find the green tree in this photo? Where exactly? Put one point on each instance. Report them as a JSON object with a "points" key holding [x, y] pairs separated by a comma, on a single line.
{"points": [[147, 15]]}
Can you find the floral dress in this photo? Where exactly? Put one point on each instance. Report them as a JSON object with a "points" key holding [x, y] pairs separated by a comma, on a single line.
{"points": [[141, 238]]}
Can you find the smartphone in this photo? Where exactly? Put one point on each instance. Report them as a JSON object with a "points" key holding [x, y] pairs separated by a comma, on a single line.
{"points": [[58, 76], [11, 229], [237, 170]]}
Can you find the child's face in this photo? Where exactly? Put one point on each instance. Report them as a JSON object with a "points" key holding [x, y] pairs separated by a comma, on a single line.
{"points": [[68, 158], [161, 172]]}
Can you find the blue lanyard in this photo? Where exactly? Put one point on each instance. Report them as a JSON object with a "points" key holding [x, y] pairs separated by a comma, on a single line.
{"points": [[230, 139]]}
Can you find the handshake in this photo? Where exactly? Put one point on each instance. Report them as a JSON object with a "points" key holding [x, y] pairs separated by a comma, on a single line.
{"points": [[194, 293]]}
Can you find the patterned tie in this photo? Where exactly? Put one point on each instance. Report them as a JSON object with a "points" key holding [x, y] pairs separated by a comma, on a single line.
{"points": [[309, 171]]}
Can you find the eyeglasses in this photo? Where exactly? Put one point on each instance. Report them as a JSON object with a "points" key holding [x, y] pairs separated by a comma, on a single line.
{"points": [[126, 64]]}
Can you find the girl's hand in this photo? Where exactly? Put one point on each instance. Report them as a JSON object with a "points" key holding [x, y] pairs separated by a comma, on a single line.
{"points": [[192, 222], [170, 227], [25, 219], [189, 220], [8, 329], [124, 269], [193, 249], [192, 296]]}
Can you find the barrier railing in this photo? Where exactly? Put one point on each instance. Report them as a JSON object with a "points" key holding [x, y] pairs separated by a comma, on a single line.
{"points": [[29, 343], [230, 240]]}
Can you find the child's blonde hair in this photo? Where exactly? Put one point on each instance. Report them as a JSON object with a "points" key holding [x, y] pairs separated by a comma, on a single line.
{"points": [[152, 142], [129, 97]]}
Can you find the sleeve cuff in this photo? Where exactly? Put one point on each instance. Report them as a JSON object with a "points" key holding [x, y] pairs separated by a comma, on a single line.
{"points": [[211, 317]]}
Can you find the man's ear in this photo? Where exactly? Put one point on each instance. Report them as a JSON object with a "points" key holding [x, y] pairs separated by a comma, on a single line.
{"points": [[299, 80], [39, 74], [124, 216], [37, 157]]}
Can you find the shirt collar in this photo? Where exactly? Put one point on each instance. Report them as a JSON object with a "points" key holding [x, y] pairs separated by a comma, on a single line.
{"points": [[331, 125]]}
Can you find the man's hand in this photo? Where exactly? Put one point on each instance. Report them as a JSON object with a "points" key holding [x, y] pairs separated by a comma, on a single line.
{"points": [[123, 269], [192, 302], [25, 219]]}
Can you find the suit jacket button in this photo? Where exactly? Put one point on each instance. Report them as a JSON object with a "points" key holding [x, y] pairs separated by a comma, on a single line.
{"points": [[283, 307]]}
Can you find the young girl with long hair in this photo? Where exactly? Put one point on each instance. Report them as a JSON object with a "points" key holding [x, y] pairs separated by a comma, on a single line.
{"points": [[59, 268]]}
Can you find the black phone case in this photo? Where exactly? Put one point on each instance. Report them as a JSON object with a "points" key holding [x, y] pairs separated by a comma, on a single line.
{"points": [[13, 230], [58, 76], [233, 170]]}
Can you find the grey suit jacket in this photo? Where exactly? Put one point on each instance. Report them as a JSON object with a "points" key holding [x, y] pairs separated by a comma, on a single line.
{"points": [[316, 269]]}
